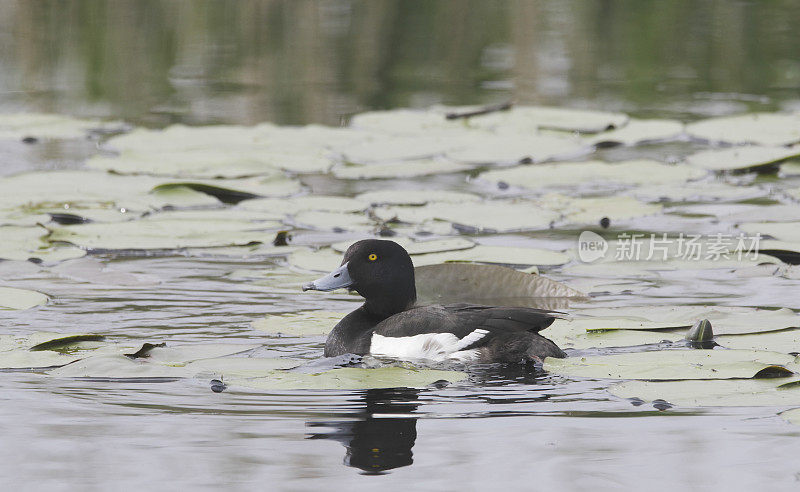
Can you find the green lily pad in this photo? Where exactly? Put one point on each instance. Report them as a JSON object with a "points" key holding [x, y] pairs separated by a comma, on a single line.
{"points": [[334, 221], [792, 416], [293, 205], [592, 173], [754, 128], [119, 367], [350, 378], [776, 341], [569, 334], [714, 393], [300, 324], [11, 298], [741, 158], [589, 211], [22, 243], [25, 359], [398, 148], [405, 169], [179, 355], [673, 364], [697, 191]]}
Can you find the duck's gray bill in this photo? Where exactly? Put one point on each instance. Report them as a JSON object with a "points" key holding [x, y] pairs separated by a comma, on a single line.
{"points": [[337, 279]]}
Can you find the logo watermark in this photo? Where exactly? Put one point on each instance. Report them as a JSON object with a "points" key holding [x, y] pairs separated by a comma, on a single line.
{"points": [[662, 247]]}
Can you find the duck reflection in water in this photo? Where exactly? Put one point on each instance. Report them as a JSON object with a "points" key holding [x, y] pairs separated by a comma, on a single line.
{"points": [[382, 436]]}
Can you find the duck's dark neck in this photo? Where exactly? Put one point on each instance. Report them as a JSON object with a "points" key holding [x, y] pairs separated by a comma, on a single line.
{"points": [[396, 302]]}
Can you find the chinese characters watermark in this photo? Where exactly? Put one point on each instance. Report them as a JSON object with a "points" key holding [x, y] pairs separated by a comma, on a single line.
{"points": [[663, 247]]}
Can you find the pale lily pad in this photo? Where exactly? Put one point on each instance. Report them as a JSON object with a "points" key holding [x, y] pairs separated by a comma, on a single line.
{"points": [[742, 158], [445, 283], [485, 149], [350, 378], [405, 169], [334, 221], [697, 191], [178, 355], [640, 131], [50, 126], [673, 364], [502, 255], [792, 416], [590, 211], [170, 231], [11, 298], [530, 119], [502, 216], [119, 367], [726, 320], [714, 393], [398, 148], [776, 341], [25, 359], [96, 272], [415, 197], [301, 324], [755, 128], [569, 334], [783, 231], [240, 367], [293, 205], [323, 260], [592, 173], [22, 243]]}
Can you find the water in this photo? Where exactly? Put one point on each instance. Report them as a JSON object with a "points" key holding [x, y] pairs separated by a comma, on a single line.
{"points": [[156, 63]]}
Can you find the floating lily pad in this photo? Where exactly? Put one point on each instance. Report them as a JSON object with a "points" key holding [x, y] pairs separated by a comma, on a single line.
{"points": [[592, 173], [742, 158], [119, 367], [178, 355], [697, 191], [350, 378], [415, 197], [170, 231], [291, 206], [17, 126], [569, 334], [674, 364], [530, 119], [776, 341], [301, 324], [590, 211], [486, 149], [726, 320], [398, 148], [714, 393], [240, 367], [783, 231], [640, 131], [334, 221], [755, 128], [503, 216], [405, 169], [96, 272], [25, 359], [22, 243], [792, 416]]}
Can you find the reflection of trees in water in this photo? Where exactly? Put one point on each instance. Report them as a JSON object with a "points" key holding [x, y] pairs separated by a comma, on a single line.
{"points": [[382, 434], [164, 61]]}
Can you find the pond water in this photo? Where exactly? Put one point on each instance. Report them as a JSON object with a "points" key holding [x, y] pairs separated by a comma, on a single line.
{"points": [[157, 63]]}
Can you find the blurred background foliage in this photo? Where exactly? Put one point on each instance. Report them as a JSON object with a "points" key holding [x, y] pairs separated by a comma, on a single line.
{"points": [[156, 62]]}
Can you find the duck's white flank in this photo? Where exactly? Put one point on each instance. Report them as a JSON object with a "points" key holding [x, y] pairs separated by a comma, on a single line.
{"points": [[433, 346]]}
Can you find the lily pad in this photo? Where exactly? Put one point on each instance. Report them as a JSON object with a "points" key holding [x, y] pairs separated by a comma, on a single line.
{"points": [[776, 341], [754, 128], [530, 119], [293, 205], [179, 355], [697, 191], [50, 126], [638, 132], [742, 158], [405, 169], [783, 231], [240, 367], [334, 221], [11, 298], [497, 216], [25, 359], [300, 324], [398, 148], [415, 197], [119, 367], [590, 211], [674, 364], [593, 174], [569, 334], [714, 393], [419, 247], [350, 378], [488, 149]]}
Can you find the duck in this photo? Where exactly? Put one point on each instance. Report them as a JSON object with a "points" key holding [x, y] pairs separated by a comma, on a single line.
{"points": [[391, 324]]}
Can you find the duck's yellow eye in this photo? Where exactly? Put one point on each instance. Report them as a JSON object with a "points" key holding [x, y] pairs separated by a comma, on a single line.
{"points": [[372, 257]]}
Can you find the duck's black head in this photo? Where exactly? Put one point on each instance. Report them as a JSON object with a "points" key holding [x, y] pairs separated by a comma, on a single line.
{"points": [[381, 271]]}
